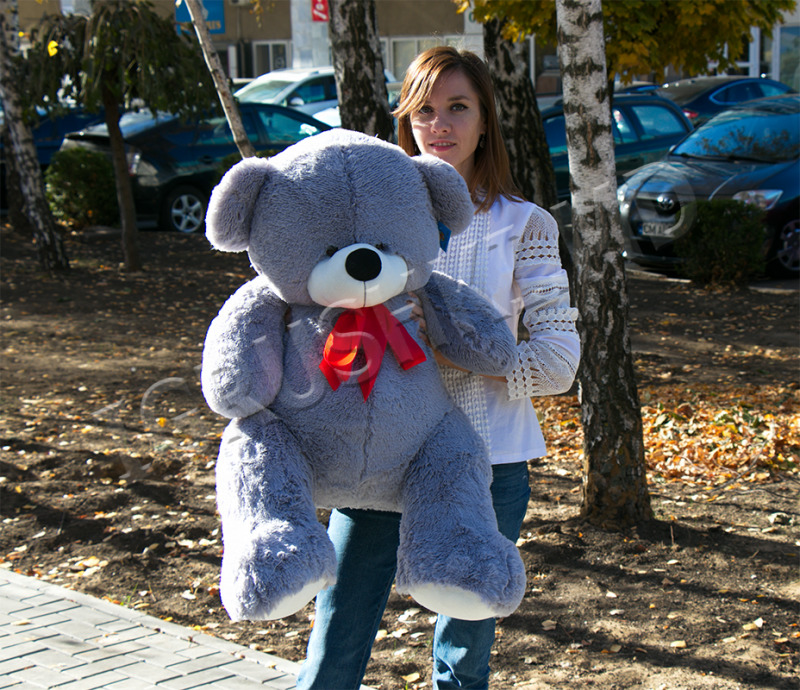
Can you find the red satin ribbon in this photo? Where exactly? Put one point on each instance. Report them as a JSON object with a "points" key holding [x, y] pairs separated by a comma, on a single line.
{"points": [[370, 329]]}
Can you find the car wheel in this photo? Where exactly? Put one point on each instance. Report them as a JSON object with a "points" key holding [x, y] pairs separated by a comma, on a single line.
{"points": [[785, 256], [184, 210]]}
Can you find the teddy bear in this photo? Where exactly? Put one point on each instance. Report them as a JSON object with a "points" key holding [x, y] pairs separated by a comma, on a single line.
{"points": [[334, 395]]}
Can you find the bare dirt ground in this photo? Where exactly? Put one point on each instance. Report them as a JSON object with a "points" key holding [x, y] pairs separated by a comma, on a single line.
{"points": [[107, 457]]}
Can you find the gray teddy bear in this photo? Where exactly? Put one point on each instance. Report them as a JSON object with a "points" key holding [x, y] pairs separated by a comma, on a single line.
{"points": [[334, 398]]}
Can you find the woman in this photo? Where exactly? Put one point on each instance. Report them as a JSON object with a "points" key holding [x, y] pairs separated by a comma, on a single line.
{"points": [[509, 254]]}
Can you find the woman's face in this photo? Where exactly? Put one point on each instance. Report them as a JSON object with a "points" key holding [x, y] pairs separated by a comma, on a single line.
{"points": [[450, 123]]}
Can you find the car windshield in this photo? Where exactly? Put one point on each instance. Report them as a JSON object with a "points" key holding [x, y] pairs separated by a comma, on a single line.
{"points": [[263, 91], [749, 134]]}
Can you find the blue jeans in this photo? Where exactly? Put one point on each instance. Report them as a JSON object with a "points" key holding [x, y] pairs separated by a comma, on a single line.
{"points": [[348, 614]]}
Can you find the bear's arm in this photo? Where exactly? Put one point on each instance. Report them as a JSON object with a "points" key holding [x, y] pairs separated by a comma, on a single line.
{"points": [[243, 354], [466, 328]]}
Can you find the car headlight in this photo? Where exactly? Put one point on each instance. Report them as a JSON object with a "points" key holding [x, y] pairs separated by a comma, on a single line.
{"points": [[622, 192], [765, 199]]}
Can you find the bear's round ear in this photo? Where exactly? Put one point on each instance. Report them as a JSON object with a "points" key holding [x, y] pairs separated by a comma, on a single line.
{"points": [[452, 204], [230, 210]]}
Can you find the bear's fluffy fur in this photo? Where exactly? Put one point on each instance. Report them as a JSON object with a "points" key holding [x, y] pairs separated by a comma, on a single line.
{"points": [[327, 207]]}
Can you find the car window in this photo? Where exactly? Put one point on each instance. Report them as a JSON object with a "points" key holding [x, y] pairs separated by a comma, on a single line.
{"points": [[747, 134], [312, 91], [771, 89], [657, 121], [283, 127], [263, 91], [556, 134], [736, 93], [624, 131], [216, 132]]}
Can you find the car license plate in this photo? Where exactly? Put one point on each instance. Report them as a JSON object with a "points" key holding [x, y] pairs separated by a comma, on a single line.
{"points": [[657, 229]]}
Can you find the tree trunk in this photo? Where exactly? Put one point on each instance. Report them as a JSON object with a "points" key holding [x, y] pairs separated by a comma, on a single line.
{"points": [[15, 202], [520, 119], [244, 144], [127, 209], [521, 124], [47, 239], [358, 64], [615, 487]]}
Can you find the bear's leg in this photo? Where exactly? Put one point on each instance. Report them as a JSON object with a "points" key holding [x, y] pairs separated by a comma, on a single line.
{"points": [[277, 556], [452, 559]]}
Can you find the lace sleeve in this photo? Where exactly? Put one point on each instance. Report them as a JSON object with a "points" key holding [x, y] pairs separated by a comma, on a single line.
{"points": [[548, 360]]}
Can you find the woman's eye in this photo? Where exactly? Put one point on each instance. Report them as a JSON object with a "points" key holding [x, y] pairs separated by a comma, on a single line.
{"points": [[458, 106], [330, 251], [425, 110]]}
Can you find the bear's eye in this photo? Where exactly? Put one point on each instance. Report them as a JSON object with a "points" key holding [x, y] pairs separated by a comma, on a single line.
{"points": [[381, 247], [330, 251]]}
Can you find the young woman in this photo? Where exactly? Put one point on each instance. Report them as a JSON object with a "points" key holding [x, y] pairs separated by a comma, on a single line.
{"points": [[510, 255]]}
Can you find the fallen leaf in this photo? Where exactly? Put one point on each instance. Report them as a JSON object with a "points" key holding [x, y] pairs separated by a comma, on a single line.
{"points": [[678, 644], [411, 677]]}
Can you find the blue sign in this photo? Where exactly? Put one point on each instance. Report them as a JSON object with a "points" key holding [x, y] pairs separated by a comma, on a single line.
{"points": [[213, 10]]}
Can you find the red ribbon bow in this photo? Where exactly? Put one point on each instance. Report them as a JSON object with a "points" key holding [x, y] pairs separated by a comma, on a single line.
{"points": [[369, 329]]}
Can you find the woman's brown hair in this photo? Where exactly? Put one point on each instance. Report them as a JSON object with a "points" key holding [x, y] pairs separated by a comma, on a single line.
{"points": [[491, 177]]}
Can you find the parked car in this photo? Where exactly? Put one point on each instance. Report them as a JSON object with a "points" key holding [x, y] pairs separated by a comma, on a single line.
{"points": [[308, 90], [645, 126], [174, 164], [702, 97], [749, 153], [332, 117], [48, 133]]}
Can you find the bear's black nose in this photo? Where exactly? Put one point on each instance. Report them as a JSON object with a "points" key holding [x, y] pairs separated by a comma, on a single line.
{"points": [[363, 264]]}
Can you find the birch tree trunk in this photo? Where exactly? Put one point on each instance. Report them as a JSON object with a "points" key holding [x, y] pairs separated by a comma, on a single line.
{"points": [[232, 114], [615, 491], [48, 241], [358, 65]]}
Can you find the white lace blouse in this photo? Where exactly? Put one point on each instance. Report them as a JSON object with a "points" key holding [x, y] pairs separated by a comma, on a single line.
{"points": [[510, 255]]}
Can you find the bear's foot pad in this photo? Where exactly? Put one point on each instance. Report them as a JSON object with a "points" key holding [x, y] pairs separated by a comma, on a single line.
{"points": [[294, 602], [452, 601]]}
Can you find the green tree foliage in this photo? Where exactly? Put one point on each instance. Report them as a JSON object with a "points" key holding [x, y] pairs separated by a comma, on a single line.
{"points": [[80, 188], [648, 36], [122, 56], [724, 245]]}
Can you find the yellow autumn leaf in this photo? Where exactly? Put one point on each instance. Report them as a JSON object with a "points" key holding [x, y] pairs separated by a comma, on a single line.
{"points": [[411, 677], [162, 422], [52, 48]]}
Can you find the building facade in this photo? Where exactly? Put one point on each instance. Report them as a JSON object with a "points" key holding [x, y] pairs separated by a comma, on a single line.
{"points": [[294, 33]]}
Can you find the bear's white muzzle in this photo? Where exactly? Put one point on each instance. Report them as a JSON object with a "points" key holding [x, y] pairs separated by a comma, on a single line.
{"points": [[357, 276]]}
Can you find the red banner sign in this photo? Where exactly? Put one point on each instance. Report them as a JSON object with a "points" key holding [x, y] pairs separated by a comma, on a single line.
{"points": [[319, 11]]}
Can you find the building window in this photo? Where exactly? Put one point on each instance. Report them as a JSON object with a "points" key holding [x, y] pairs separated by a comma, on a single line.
{"points": [[789, 62], [269, 56], [404, 50]]}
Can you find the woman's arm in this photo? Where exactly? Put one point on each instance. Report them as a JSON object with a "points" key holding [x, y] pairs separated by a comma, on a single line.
{"points": [[548, 360]]}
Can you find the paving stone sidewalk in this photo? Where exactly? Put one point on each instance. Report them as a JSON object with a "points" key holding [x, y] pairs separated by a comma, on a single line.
{"points": [[51, 637]]}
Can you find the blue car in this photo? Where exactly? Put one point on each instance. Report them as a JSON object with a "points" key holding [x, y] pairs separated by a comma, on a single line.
{"points": [[703, 97], [174, 164], [749, 153], [48, 133], [645, 127]]}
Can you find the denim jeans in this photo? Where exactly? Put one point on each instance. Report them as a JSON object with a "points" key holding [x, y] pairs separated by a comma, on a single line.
{"points": [[348, 614]]}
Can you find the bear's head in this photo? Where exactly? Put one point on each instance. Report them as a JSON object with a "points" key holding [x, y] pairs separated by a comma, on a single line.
{"points": [[339, 219]]}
